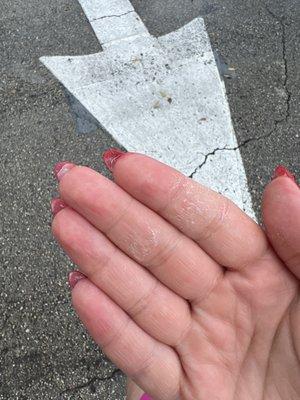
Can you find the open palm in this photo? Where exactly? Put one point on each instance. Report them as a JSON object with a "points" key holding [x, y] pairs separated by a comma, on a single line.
{"points": [[184, 292]]}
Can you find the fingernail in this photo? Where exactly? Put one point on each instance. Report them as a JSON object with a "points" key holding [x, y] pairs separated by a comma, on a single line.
{"points": [[57, 205], [282, 171], [74, 278], [146, 397], [61, 168], [111, 156]]}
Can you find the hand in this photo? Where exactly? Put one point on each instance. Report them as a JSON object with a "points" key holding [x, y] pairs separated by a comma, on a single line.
{"points": [[184, 292]]}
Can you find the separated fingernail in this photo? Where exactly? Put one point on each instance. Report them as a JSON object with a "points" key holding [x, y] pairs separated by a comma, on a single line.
{"points": [[75, 277], [61, 168], [146, 397], [57, 205], [282, 171], [111, 156]]}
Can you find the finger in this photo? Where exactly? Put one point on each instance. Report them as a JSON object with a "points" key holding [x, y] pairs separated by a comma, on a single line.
{"points": [[140, 233], [154, 307], [281, 214], [152, 365], [214, 222]]}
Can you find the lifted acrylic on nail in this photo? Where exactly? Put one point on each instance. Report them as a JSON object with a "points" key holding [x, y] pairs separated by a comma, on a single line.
{"points": [[160, 96]]}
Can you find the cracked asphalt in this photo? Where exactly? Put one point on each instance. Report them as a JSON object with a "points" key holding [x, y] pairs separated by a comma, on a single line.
{"points": [[44, 351]]}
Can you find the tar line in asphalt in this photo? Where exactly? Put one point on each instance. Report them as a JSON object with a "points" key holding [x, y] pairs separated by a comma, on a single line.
{"points": [[160, 96]]}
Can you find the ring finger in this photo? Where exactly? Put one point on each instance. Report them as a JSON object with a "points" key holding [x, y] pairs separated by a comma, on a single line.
{"points": [[155, 308]]}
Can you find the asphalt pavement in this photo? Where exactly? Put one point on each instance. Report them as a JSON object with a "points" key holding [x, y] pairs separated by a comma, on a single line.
{"points": [[44, 351]]}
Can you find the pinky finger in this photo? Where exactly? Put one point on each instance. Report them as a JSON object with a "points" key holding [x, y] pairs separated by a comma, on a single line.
{"points": [[152, 365]]}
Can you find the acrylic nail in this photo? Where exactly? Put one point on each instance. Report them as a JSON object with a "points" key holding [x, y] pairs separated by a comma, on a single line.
{"points": [[146, 396], [61, 168], [282, 171], [57, 205], [111, 156], [74, 278]]}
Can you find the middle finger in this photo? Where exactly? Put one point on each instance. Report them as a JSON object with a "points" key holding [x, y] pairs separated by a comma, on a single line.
{"points": [[143, 235]]}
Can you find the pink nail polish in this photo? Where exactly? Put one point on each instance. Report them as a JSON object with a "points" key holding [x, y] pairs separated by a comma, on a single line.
{"points": [[282, 171], [57, 205], [146, 397], [111, 156], [75, 277], [61, 168]]}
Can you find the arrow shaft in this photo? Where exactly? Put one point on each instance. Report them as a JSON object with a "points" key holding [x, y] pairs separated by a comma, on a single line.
{"points": [[113, 20]]}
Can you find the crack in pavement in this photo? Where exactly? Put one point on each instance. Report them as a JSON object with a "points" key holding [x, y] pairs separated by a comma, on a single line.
{"points": [[113, 16], [244, 143], [90, 383], [287, 114], [285, 62]]}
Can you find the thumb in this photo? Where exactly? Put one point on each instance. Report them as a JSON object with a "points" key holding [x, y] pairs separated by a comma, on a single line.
{"points": [[281, 215]]}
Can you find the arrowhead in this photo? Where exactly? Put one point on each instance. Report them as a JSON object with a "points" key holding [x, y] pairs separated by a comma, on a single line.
{"points": [[74, 71], [163, 97], [141, 89]]}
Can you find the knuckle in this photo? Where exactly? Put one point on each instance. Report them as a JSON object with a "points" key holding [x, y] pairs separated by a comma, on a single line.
{"points": [[116, 336], [141, 305], [118, 217], [218, 220], [144, 366], [184, 332], [163, 254], [175, 192]]}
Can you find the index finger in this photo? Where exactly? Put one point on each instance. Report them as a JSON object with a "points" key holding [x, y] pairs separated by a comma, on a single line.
{"points": [[220, 228]]}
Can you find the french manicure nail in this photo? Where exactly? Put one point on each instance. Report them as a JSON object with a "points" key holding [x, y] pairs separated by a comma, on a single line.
{"points": [[145, 397], [282, 171], [57, 205], [111, 156], [61, 168], [74, 278]]}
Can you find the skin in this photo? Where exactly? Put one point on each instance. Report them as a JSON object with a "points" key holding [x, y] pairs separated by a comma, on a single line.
{"points": [[183, 292]]}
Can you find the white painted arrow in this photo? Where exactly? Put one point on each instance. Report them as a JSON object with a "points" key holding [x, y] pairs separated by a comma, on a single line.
{"points": [[159, 96]]}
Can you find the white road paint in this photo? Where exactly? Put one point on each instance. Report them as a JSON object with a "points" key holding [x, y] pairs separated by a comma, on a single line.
{"points": [[113, 20], [159, 96]]}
